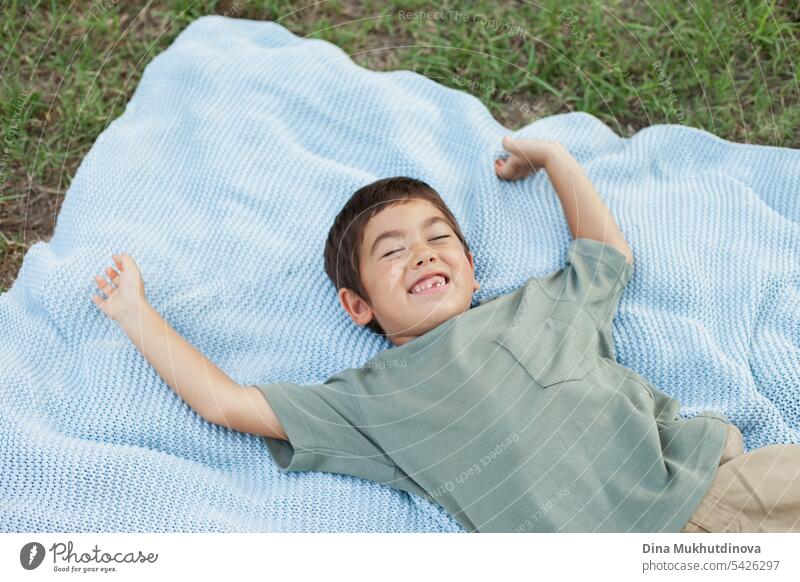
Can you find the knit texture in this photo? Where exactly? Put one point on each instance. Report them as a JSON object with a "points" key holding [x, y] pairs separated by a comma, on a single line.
{"points": [[222, 178]]}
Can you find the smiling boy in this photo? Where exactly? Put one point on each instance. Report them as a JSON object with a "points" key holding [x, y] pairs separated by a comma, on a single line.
{"points": [[513, 415], [380, 284]]}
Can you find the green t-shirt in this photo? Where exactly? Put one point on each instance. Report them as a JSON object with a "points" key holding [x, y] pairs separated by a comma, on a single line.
{"points": [[514, 415]]}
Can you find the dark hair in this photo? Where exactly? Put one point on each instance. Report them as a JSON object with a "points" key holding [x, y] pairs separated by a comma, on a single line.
{"points": [[342, 249]]}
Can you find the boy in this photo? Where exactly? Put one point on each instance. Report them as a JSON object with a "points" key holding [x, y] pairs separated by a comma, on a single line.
{"points": [[514, 415]]}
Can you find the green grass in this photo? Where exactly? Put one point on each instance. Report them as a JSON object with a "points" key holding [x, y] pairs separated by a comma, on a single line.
{"points": [[71, 67], [86, 68]]}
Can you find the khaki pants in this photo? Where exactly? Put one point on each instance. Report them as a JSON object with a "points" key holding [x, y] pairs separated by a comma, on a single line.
{"points": [[757, 491]]}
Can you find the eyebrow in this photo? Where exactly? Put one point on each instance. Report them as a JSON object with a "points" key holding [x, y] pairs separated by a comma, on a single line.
{"points": [[397, 233]]}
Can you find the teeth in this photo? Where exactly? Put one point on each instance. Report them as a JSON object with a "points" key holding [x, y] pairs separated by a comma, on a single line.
{"points": [[435, 281]]}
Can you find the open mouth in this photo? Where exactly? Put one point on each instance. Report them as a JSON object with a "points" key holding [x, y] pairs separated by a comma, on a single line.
{"points": [[431, 286]]}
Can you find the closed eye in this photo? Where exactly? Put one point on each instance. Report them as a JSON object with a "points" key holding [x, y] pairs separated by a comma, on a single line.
{"points": [[398, 250]]}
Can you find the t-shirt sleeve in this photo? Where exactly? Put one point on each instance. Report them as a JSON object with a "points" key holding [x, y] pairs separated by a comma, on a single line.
{"points": [[594, 277], [325, 431]]}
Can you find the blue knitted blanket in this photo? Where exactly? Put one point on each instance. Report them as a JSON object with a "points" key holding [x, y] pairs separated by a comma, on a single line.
{"points": [[222, 177]]}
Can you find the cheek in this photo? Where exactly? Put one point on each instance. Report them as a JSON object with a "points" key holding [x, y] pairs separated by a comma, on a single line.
{"points": [[460, 264], [395, 270], [394, 276]]}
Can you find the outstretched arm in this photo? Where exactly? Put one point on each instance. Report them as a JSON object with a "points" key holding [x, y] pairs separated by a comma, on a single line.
{"points": [[586, 213], [205, 388]]}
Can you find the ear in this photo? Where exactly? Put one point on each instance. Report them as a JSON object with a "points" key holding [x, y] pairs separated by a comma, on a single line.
{"points": [[358, 309], [475, 284]]}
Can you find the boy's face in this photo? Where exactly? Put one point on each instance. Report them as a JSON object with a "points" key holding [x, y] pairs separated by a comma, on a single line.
{"points": [[403, 245]]}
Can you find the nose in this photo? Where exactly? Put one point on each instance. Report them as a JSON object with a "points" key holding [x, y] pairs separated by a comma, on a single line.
{"points": [[424, 256], [429, 259]]}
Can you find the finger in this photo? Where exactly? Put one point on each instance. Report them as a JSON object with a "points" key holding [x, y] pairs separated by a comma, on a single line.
{"points": [[100, 302], [523, 165], [103, 285], [515, 169], [104, 307], [112, 274], [511, 145], [122, 260]]}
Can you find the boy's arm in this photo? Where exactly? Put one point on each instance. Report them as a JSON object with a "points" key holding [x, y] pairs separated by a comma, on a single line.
{"points": [[585, 211], [204, 387], [247, 410]]}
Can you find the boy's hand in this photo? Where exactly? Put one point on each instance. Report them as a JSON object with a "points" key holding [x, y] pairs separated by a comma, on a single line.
{"points": [[125, 294], [526, 156]]}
